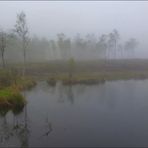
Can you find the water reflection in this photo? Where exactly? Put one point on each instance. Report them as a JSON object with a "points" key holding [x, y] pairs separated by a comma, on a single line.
{"points": [[24, 132], [60, 89], [14, 128], [4, 111], [79, 115], [48, 128], [65, 93], [70, 94], [5, 132], [16, 125]]}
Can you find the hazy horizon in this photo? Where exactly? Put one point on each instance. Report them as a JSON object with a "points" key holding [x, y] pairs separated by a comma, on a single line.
{"points": [[47, 18]]}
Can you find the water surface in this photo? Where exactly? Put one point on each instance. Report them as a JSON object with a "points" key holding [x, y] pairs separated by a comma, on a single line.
{"points": [[110, 114]]}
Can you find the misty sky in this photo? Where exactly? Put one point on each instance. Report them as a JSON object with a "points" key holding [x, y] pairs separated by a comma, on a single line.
{"points": [[47, 18]]}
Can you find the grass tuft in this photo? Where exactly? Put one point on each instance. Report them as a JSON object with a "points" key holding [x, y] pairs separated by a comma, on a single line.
{"points": [[11, 99]]}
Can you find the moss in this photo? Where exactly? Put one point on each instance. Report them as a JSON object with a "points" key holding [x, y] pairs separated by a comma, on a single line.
{"points": [[11, 84], [11, 99]]}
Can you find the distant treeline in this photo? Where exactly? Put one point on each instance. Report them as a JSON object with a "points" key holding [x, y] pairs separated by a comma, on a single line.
{"points": [[105, 46]]}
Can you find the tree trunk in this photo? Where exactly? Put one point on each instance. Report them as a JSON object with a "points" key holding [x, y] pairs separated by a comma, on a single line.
{"points": [[3, 60], [24, 56]]}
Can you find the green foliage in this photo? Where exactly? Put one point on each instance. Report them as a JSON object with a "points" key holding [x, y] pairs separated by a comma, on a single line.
{"points": [[11, 99], [10, 86]]}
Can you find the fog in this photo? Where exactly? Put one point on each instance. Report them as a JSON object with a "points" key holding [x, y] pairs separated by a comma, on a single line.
{"points": [[73, 73], [46, 19]]}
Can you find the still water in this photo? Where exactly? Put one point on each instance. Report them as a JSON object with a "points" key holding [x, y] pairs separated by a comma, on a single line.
{"points": [[110, 114]]}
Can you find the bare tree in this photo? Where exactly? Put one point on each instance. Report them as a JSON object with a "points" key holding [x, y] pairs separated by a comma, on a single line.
{"points": [[67, 46], [22, 30], [61, 38], [64, 45], [53, 47], [80, 46], [2, 46], [113, 41], [131, 45], [117, 37], [102, 46]]}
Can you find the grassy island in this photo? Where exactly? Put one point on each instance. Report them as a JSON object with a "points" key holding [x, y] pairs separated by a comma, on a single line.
{"points": [[11, 85], [11, 98]]}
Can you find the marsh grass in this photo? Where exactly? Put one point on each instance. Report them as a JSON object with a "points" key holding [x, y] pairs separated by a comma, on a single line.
{"points": [[11, 99], [11, 84], [11, 77], [5, 78], [98, 77], [87, 72], [24, 84]]}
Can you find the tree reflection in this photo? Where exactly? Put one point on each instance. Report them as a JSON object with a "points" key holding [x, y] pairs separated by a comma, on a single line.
{"points": [[5, 132], [80, 90], [4, 111], [17, 129], [65, 92], [70, 94], [8, 130], [48, 128], [60, 92], [23, 134]]}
